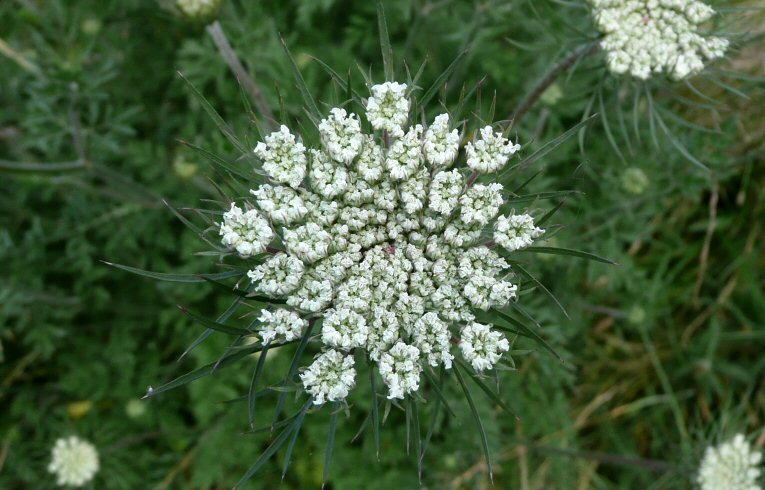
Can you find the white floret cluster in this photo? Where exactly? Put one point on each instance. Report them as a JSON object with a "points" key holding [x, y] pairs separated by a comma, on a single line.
{"points": [[202, 10], [646, 37], [385, 242], [247, 232], [730, 466], [74, 462]]}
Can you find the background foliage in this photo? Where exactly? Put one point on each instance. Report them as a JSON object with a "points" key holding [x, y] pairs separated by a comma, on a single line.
{"points": [[662, 353]]}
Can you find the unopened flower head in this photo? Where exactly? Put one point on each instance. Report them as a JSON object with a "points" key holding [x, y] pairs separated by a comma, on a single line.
{"points": [[388, 108], [732, 465], [647, 37], [199, 10], [516, 231], [247, 232], [382, 242], [74, 462]]}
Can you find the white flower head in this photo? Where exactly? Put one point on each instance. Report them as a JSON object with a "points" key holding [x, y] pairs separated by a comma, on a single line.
{"points": [[491, 152], [281, 204], [277, 276], [309, 242], [441, 145], [345, 329], [431, 336], [405, 155], [341, 135], [400, 369], [644, 38], [283, 157], [74, 461], [388, 108], [247, 232], [481, 346], [730, 466], [281, 325], [445, 191], [481, 203], [516, 232], [327, 177], [330, 377]]}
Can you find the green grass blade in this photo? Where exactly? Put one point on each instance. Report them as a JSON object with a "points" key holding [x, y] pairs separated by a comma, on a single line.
{"points": [[330, 442], [169, 277], [477, 417], [568, 251], [217, 119], [295, 431], [542, 287], [492, 396], [310, 103], [441, 80], [220, 327], [251, 396], [387, 50]]}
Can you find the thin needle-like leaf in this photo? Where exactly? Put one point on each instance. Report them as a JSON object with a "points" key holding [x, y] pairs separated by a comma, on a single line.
{"points": [[330, 442], [477, 417]]}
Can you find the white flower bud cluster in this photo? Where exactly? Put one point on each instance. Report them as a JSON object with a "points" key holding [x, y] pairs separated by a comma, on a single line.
{"points": [[281, 325], [330, 377], [730, 466], [247, 232], [381, 245], [491, 152], [646, 37], [481, 346], [74, 461], [199, 10], [516, 232]]}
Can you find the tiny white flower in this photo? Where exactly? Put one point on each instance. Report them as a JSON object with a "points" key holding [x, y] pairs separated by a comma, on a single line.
{"points": [[481, 346], [344, 329], [280, 325], [643, 38], [405, 155], [730, 466], [283, 157], [491, 152], [247, 232], [516, 232], [441, 145], [281, 204], [388, 108], [74, 461], [277, 276], [481, 203], [327, 177], [371, 160], [445, 191], [330, 377], [341, 135], [431, 336], [400, 369], [308, 242]]}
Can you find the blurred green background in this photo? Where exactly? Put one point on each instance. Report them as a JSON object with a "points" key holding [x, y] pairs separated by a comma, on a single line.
{"points": [[662, 353]]}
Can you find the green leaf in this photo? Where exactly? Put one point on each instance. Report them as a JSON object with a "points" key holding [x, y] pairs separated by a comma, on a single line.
{"points": [[375, 414], [295, 431], [271, 450], [387, 50], [163, 276], [529, 332], [492, 396], [254, 383], [202, 371], [41, 167], [441, 80], [217, 119], [477, 417], [436, 388], [550, 213], [330, 442], [567, 251], [552, 144], [294, 367], [541, 286], [215, 325], [310, 103], [417, 437]]}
